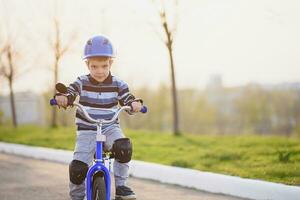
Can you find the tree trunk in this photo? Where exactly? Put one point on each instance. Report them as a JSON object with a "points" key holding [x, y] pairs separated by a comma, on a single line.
{"points": [[12, 103], [54, 108], [176, 130]]}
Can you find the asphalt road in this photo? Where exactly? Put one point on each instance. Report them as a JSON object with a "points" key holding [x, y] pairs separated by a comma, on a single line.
{"points": [[28, 179]]}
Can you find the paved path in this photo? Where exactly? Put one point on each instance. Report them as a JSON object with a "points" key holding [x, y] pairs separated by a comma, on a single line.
{"points": [[28, 179]]}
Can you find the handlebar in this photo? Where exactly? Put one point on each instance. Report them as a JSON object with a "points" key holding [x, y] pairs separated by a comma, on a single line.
{"points": [[128, 108]]}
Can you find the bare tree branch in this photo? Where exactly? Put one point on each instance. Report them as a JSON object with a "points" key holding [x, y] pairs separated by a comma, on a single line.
{"points": [[56, 44], [169, 31], [65, 49]]}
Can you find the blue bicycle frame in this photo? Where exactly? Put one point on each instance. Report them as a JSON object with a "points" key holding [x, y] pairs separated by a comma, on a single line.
{"points": [[98, 166]]}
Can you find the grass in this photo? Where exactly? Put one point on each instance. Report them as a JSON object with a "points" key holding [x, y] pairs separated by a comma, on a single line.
{"points": [[271, 158]]}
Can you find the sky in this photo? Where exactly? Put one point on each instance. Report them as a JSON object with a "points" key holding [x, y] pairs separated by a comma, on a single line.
{"points": [[244, 41]]}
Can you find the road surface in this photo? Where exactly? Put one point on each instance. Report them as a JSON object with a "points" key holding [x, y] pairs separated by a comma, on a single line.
{"points": [[29, 179]]}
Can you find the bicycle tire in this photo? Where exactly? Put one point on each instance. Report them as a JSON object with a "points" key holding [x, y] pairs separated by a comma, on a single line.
{"points": [[99, 187]]}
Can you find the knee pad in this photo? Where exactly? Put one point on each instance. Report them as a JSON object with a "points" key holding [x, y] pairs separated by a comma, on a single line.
{"points": [[122, 150], [77, 171]]}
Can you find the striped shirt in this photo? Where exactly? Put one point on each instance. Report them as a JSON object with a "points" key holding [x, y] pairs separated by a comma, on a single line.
{"points": [[94, 95]]}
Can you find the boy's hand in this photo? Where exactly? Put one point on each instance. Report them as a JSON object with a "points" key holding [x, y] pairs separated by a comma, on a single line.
{"points": [[62, 100], [136, 106]]}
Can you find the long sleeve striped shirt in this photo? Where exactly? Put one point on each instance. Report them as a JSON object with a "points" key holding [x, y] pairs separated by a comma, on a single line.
{"points": [[94, 95]]}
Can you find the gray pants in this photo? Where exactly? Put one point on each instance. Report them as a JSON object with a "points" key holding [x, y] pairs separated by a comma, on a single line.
{"points": [[84, 151]]}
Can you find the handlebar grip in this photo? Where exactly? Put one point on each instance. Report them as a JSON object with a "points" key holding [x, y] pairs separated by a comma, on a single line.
{"points": [[144, 109], [53, 102]]}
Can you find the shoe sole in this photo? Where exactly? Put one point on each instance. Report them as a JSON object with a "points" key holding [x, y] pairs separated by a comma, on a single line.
{"points": [[129, 197]]}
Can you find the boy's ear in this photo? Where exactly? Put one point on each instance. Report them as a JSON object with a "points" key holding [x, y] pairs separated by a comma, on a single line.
{"points": [[87, 63], [111, 61]]}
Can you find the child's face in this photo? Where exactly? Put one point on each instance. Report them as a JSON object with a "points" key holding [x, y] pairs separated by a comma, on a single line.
{"points": [[99, 67]]}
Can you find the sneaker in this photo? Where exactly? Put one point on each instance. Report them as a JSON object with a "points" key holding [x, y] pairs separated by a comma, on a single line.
{"points": [[124, 193]]}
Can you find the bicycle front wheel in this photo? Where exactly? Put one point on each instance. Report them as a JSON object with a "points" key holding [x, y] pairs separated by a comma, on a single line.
{"points": [[99, 189]]}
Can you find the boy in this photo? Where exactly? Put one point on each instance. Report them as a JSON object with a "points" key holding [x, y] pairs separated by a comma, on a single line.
{"points": [[99, 89]]}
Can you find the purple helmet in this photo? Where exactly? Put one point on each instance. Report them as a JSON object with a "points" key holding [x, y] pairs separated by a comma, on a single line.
{"points": [[98, 46]]}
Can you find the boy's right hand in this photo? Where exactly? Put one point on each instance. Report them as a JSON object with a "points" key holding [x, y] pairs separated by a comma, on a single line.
{"points": [[62, 100]]}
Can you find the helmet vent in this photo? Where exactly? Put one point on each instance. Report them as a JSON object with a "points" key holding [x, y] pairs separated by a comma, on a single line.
{"points": [[105, 42]]}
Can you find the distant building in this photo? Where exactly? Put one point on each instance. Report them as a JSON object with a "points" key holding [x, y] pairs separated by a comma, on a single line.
{"points": [[282, 86], [215, 90], [30, 108], [215, 82]]}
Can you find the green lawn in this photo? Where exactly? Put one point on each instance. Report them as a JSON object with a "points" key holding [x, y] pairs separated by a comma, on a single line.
{"points": [[270, 158]]}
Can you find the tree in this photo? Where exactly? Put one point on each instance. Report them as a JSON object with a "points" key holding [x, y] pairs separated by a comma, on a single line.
{"points": [[169, 32], [284, 107], [59, 51], [201, 117], [8, 69], [10, 54], [254, 109]]}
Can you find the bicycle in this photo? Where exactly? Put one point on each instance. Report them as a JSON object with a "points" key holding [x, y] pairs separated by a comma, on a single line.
{"points": [[98, 181]]}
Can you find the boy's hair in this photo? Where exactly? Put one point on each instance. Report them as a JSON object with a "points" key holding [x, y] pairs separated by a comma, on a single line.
{"points": [[101, 58]]}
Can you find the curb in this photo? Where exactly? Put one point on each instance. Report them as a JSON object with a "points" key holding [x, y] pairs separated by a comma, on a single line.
{"points": [[205, 181]]}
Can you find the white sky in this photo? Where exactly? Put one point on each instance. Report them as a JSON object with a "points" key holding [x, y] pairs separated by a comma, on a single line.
{"points": [[243, 40]]}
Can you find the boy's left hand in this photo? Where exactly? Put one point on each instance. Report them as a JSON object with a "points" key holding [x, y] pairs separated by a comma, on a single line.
{"points": [[136, 106]]}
